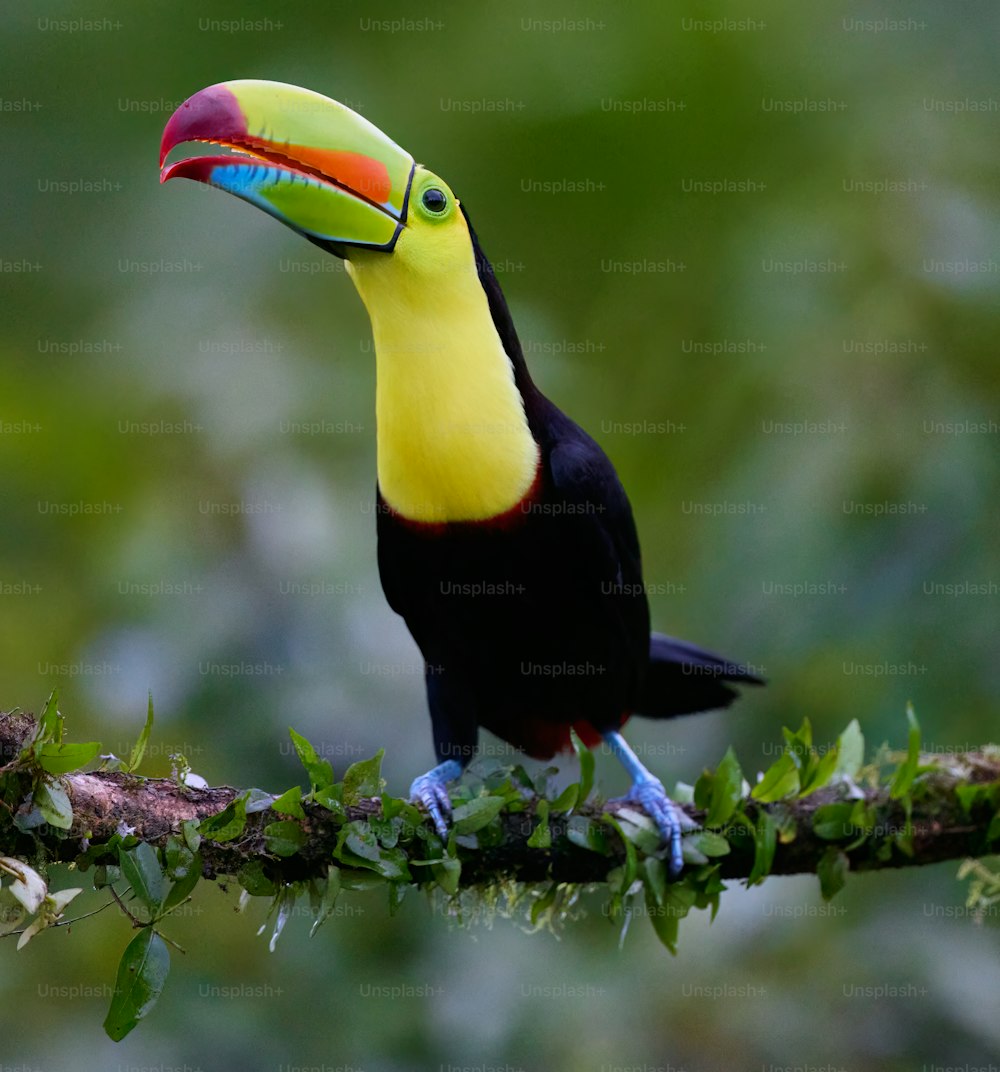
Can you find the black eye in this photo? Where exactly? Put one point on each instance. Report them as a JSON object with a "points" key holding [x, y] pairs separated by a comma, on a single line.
{"points": [[434, 200]]}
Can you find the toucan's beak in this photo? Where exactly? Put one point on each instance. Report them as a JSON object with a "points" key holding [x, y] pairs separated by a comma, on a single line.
{"points": [[309, 161]]}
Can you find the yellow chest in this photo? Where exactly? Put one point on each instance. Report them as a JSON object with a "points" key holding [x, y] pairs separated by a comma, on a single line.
{"points": [[453, 439]]}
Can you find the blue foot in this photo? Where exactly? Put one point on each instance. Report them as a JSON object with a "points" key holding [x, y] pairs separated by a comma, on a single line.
{"points": [[647, 791], [431, 792], [650, 795]]}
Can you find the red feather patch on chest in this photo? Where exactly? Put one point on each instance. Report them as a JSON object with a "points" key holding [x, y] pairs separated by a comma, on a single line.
{"points": [[542, 740]]}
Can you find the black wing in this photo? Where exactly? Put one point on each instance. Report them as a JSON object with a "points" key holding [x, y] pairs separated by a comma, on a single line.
{"points": [[601, 543]]}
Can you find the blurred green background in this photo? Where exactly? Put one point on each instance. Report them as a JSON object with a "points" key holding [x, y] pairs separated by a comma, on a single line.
{"points": [[753, 250]]}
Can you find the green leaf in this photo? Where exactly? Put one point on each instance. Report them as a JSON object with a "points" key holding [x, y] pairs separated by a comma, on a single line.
{"points": [[139, 750], [358, 846], [683, 793], [363, 779], [850, 750], [682, 896], [819, 772], [52, 801], [386, 830], [903, 839], [177, 857], [284, 838], [183, 886], [49, 723], [567, 799], [641, 830], [587, 834], [727, 789], [447, 873], [833, 822], [709, 889], [655, 878], [475, 814], [521, 776], [359, 880], [331, 798], [702, 794], [541, 836], [97, 850], [142, 974], [290, 803], [832, 871], [765, 839], [359, 839], [393, 865], [710, 843], [907, 770], [586, 758], [141, 870], [63, 758], [863, 815], [780, 780], [106, 875], [969, 796], [227, 824], [411, 816], [629, 868], [257, 800], [319, 770], [667, 915], [191, 835], [799, 744], [253, 878], [690, 854], [28, 820]]}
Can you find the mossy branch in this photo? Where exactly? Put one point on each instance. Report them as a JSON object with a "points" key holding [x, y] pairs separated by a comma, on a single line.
{"points": [[949, 814], [815, 809]]}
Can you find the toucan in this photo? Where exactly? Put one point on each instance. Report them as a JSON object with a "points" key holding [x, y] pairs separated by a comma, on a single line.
{"points": [[505, 538]]}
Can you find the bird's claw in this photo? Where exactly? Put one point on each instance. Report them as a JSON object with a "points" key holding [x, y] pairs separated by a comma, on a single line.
{"points": [[650, 795], [434, 799], [430, 791]]}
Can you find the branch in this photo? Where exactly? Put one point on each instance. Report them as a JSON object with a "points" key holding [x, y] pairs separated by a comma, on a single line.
{"points": [[938, 828]]}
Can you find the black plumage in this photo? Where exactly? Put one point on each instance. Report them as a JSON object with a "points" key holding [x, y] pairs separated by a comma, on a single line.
{"points": [[538, 620]]}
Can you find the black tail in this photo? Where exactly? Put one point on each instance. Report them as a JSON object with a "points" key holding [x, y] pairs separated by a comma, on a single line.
{"points": [[682, 679]]}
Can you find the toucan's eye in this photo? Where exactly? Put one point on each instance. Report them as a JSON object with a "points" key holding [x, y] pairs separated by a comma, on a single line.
{"points": [[434, 200]]}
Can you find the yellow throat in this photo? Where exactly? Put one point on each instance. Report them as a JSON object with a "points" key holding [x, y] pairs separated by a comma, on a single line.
{"points": [[453, 439]]}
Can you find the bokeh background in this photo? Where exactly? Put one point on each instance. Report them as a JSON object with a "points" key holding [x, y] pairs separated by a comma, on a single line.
{"points": [[754, 250]]}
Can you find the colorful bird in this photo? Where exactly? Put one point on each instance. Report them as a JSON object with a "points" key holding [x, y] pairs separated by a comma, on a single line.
{"points": [[505, 538]]}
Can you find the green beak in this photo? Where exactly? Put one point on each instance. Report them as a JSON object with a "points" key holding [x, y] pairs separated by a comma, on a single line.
{"points": [[309, 161]]}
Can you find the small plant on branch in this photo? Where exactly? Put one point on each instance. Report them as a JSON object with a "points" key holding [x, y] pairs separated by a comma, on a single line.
{"points": [[515, 845]]}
